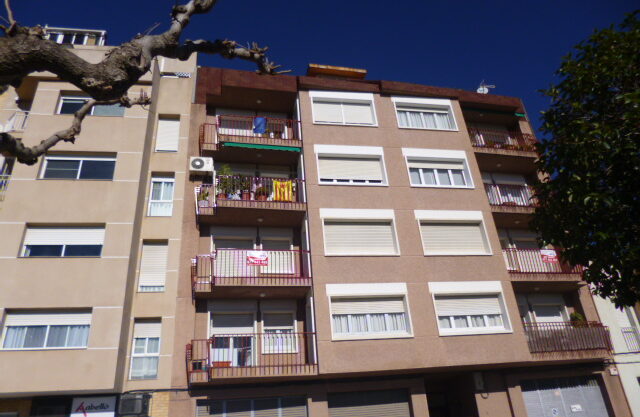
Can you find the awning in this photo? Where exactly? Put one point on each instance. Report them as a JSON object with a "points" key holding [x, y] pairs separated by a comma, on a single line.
{"points": [[260, 146]]}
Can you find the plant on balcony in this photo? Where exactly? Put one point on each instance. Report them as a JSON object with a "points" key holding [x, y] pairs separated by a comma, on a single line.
{"points": [[245, 187], [262, 193], [577, 319], [203, 198], [225, 182]]}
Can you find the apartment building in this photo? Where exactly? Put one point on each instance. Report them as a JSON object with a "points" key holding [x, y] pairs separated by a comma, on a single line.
{"points": [[90, 243], [361, 248]]}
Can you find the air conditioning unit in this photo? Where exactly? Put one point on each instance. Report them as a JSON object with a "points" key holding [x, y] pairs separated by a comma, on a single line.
{"points": [[198, 164], [134, 405]]}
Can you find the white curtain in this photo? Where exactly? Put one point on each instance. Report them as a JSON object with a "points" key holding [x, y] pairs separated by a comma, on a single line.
{"points": [[144, 367], [15, 336], [161, 199], [370, 323]]}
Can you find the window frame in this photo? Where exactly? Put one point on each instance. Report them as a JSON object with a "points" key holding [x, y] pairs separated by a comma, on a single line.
{"points": [[453, 216], [80, 97], [162, 180], [146, 354], [343, 97], [341, 151], [266, 350], [435, 104], [439, 155], [5, 327], [23, 248], [80, 158], [470, 288]]}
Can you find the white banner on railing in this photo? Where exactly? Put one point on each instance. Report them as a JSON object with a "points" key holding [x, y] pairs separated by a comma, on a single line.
{"points": [[258, 258], [549, 256]]}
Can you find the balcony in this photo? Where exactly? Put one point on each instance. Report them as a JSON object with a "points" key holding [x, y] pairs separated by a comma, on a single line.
{"points": [[583, 336], [543, 264], [631, 337], [511, 198], [251, 355], [17, 122], [266, 132], [502, 140], [211, 273]]}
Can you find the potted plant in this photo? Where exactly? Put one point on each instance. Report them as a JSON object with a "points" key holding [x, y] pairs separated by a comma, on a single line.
{"points": [[225, 182], [203, 198], [262, 193], [577, 319], [245, 187]]}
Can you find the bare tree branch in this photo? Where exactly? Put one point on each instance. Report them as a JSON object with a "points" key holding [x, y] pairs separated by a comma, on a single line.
{"points": [[29, 155], [23, 50]]}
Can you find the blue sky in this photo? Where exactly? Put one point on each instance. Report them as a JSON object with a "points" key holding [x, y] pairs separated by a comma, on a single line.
{"points": [[516, 45]]}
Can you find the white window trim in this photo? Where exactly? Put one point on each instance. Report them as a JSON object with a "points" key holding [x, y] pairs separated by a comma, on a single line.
{"points": [[439, 155], [6, 327], [64, 245], [59, 106], [254, 354], [433, 102], [471, 288], [354, 152], [453, 216], [163, 180], [144, 355], [359, 214], [340, 97], [48, 158], [372, 290], [264, 350]]}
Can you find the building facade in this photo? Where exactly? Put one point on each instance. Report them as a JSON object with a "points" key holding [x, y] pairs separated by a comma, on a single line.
{"points": [[319, 245]]}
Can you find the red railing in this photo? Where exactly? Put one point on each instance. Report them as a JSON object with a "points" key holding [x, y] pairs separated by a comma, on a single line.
{"points": [[536, 261], [244, 267], [510, 195], [496, 139], [233, 128], [567, 337], [277, 353]]}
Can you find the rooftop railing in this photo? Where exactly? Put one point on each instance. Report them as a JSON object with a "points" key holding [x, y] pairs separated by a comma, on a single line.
{"points": [[509, 195], [537, 261], [268, 130], [499, 139], [567, 337]]}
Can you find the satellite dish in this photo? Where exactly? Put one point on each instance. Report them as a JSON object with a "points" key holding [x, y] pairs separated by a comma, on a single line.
{"points": [[484, 88]]}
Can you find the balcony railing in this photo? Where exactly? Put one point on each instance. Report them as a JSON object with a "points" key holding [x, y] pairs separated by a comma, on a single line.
{"points": [[244, 267], [267, 130], [632, 338], [496, 139], [509, 195], [255, 192], [537, 261], [567, 337], [17, 122], [248, 355]]}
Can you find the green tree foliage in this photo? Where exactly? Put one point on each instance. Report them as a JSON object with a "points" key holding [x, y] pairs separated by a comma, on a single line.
{"points": [[590, 199]]}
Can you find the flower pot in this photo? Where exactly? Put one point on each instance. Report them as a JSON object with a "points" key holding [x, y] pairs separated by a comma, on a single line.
{"points": [[222, 196], [261, 198], [246, 195], [203, 203]]}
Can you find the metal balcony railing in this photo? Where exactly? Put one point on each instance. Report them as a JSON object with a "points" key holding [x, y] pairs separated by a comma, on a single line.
{"points": [[238, 355], [245, 267], [567, 336], [632, 338], [536, 261], [268, 130], [17, 122], [510, 195], [496, 139]]}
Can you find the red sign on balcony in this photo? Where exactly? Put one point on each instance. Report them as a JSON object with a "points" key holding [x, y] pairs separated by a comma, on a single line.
{"points": [[549, 256], [257, 258]]}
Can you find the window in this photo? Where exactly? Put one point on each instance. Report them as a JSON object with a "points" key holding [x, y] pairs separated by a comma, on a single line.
{"points": [[42, 330], [153, 267], [472, 307], [71, 104], [359, 232], [76, 38], [78, 167], [437, 168], [146, 350], [350, 165], [452, 232], [259, 407], [343, 108], [168, 134], [161, 198], [364, 316], [63, 241], [416, 113], [279, 333]]}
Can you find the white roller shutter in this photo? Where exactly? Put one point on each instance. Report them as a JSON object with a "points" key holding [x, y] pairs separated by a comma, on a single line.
{"points": [[358, 113], [40, 318], [146, 329], [622, 317], [510, 179], [416, 163], [453, 238], [362, 238], [64, 236], [327, 111], [350, 168], [462, 305], [367, 305], [232, 323], [168, 134], [153, 266]]}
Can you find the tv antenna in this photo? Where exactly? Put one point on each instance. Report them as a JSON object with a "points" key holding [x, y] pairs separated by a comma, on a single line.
{"points": [[484, 88]]}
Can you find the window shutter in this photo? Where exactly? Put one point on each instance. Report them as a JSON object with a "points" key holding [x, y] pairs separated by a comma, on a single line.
{"points": [[327, 111], [168, 134], [232, 323], [346, 168], [369, 404], [422, 109], [146, 329], [433, 164], [278, 320], [64, 236], [365, 238], [511, 179], [238, 408], [457, 238], [153, 267], [40, 318], [358, 113], [367, 305], [294, 407], [462, 305]]}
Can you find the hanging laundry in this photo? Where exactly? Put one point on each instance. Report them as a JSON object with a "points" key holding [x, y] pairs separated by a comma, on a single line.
{"points": [[259, 125]]}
